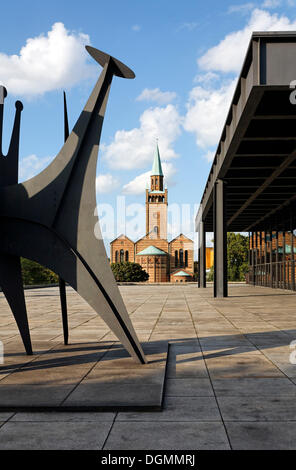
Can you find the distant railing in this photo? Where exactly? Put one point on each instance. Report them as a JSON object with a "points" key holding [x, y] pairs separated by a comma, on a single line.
{"points": [[278, 274]]}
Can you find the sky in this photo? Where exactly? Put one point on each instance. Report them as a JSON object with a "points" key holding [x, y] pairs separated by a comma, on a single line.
{"points": [[186, 55]]}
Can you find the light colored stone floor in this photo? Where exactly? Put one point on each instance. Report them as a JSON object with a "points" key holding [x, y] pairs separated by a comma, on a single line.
{"points": [[230, 383]]}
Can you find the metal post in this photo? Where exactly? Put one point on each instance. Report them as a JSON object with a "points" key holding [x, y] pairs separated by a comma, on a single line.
{"points": [[202, 256], [270, 259], [265, 258], [256, 258], [249, 256], [277, 259], [260, 258], [284, 259], [220, 240], [292, 251], [253, 259]]}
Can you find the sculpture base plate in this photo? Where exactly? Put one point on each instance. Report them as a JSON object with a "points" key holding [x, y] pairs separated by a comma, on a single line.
{"points": [[88, 376]]}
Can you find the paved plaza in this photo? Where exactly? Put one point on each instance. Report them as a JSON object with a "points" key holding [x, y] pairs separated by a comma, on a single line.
{"points": [[229, 382]]}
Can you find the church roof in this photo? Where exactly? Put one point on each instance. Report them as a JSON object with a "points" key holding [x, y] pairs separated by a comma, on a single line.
{"points": [[181, 273], [156, 168], [122, 236], [151, 250]]}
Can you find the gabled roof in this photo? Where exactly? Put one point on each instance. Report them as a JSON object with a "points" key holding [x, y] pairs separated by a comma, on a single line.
{"points": [[122, 236], [147, 236], [156, 168], [179, 236], [151, 250]]}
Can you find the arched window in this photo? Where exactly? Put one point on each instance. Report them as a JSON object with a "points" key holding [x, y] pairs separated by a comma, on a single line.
{"points": [[181, 258], [126, 255], [116, 256], [186, 258], [121, 256], [176, 258]]}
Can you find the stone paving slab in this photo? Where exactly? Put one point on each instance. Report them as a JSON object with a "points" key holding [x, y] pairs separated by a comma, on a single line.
{"points": [[45, 436], [56, 416], [167, 436], [254, 387], [84, 376], [262, 436], [280, 408], [192, 387], [229, 385], [178, 409]]}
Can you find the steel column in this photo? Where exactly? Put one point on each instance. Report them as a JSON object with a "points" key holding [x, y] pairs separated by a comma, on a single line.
{"points": [[260, 258], [284, 259], [292, 251], [202, 256], [220, 240], [253, 260], [265, 258], [277, 259], [270, 258]]}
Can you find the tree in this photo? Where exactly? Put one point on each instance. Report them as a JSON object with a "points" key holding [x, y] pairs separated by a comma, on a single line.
{"points": [[237, 258], [34, 273], [195, 273], [129, 272]]}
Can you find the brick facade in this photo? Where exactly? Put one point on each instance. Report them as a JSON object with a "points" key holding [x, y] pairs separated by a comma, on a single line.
{"points": [[179, 253]]}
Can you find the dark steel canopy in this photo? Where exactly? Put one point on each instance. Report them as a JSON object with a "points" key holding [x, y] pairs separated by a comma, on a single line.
{"points": [[256, 155]]}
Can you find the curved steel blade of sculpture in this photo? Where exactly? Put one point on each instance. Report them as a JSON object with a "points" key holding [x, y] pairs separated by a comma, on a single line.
{"points": [[10, 266], [50, 217]]}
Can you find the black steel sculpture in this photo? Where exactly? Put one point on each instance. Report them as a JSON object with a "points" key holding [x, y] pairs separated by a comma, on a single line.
{"points": [[50, 217]]}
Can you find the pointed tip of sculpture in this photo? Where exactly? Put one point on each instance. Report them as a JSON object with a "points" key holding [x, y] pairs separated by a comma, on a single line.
{"points": [[120, 70]]}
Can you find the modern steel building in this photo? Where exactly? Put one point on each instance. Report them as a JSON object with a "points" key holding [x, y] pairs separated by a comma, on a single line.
{"points": [[252, 182]]}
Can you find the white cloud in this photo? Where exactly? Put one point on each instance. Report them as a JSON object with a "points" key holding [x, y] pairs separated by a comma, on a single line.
{"points": [[228, 55], [136, 28], [206, 78], [206, 112], [139, 184], [46, 62], [106, 183], [209, 156], [243, 8], [135, 148], [209, 101], [155, 94], [32, 165], [271, 3]]}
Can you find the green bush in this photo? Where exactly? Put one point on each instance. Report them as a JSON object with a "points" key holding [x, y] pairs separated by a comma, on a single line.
{"points": [[129, 272], [34, 273]]}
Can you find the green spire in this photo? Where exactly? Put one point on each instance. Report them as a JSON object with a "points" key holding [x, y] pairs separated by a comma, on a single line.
{"points": [[156, 169]]}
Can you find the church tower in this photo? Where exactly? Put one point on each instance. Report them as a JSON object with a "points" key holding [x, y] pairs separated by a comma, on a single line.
{"points": [[156, 202]]}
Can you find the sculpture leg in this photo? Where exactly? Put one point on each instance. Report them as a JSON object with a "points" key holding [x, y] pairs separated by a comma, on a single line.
{"points": [[12, 286], [63, 298]]}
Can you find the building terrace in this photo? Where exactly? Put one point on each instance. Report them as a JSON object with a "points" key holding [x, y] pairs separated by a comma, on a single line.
{"points": [[251, 185]]}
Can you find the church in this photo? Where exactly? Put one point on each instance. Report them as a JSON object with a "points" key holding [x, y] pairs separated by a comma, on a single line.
{"points": [[164, 261]]}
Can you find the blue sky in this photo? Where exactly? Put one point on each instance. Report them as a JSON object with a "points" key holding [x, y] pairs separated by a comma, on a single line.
{"points": [[186, 56]]}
